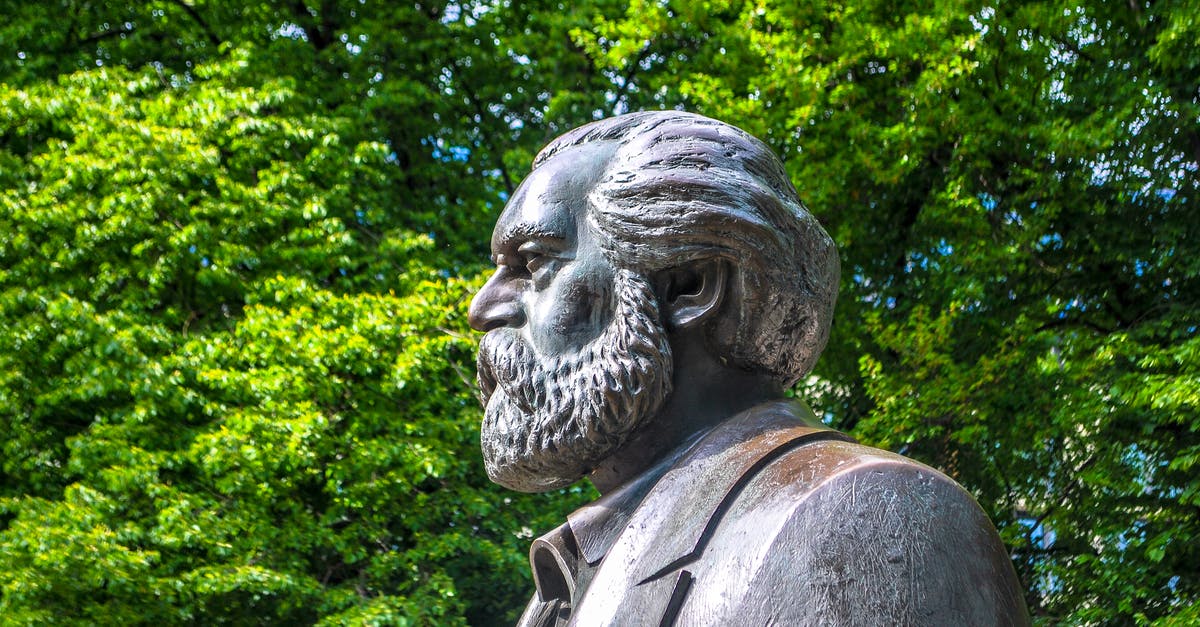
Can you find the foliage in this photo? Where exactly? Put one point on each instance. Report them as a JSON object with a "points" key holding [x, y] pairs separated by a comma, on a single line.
{"points": [[237, 241], [235, 383]]}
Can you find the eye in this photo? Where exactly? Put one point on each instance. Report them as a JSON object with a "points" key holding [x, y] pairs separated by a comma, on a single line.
{"points": [[538, 259], [535, 261]]}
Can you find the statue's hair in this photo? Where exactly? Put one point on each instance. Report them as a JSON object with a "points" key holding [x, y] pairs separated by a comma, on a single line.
{"points": [[680, 188]]}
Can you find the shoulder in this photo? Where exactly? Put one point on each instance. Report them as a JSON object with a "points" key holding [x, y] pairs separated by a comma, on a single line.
{"points": [[832, 476], [847, 534]]}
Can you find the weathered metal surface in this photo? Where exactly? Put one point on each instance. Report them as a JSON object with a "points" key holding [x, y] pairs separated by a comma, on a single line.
{"points": [[658, 285]]}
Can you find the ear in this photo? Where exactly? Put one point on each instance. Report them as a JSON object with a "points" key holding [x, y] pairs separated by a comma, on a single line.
{"points": [[689, 295]]}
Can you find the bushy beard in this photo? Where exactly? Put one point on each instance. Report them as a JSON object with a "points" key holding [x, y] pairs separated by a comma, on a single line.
{"points": [[548, 421]]}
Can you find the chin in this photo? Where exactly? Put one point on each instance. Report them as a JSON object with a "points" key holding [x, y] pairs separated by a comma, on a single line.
{"points": [[539, 460]]}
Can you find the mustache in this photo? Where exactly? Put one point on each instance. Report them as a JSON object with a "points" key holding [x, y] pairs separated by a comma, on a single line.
{"points": [[504, 362]]}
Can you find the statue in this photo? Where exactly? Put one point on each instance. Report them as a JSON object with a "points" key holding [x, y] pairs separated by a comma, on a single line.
{"points": [[658, 286]]}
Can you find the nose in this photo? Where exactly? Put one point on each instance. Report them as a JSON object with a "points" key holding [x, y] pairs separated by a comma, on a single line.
{"points": [[496, 305]]}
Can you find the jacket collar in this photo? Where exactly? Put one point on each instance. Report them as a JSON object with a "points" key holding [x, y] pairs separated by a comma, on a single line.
{"points": [[703, 483]]}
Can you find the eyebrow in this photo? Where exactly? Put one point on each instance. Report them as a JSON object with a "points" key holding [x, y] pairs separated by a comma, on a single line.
{"points": [[523, 232]]}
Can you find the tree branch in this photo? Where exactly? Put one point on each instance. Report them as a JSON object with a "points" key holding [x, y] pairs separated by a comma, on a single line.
{"points": [[195, 15], [623, 88], [106, 34], [478, 107], [1063, 322]]}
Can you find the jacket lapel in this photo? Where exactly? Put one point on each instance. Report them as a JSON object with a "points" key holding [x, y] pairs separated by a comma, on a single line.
{"points": [[644, 576]]}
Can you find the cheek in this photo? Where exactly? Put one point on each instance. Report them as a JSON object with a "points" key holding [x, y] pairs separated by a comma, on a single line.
{"points": [[583, 310], [573, 312]]}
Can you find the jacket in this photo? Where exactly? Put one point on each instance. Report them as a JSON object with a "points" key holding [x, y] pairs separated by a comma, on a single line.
{"points": [[772, 519]]}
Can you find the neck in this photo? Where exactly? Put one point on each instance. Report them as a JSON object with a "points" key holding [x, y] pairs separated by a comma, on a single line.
{"points": [[705, 393]]}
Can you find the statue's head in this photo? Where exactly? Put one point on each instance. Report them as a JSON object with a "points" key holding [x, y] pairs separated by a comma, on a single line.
{"points": [[632, 232]]}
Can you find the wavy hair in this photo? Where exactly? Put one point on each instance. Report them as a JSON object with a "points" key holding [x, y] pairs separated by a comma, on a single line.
{"points": [[680, 188]]}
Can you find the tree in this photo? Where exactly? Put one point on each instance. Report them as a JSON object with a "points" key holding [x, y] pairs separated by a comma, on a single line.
{"points": [[235, 383], [237, 242]]}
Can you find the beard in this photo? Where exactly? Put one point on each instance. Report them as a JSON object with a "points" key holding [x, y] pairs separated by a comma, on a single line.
{"points": [[550, 421]]}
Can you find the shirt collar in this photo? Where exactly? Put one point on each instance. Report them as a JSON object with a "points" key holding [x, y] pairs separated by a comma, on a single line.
{"points": [[590, 532], [597, 524]]}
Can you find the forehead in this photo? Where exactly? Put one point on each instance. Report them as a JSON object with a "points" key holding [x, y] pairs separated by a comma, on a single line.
{"points": [[551, 200]]}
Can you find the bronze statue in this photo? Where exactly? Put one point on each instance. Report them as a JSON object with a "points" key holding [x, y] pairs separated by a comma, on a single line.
{"points": [[659, 285]]}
